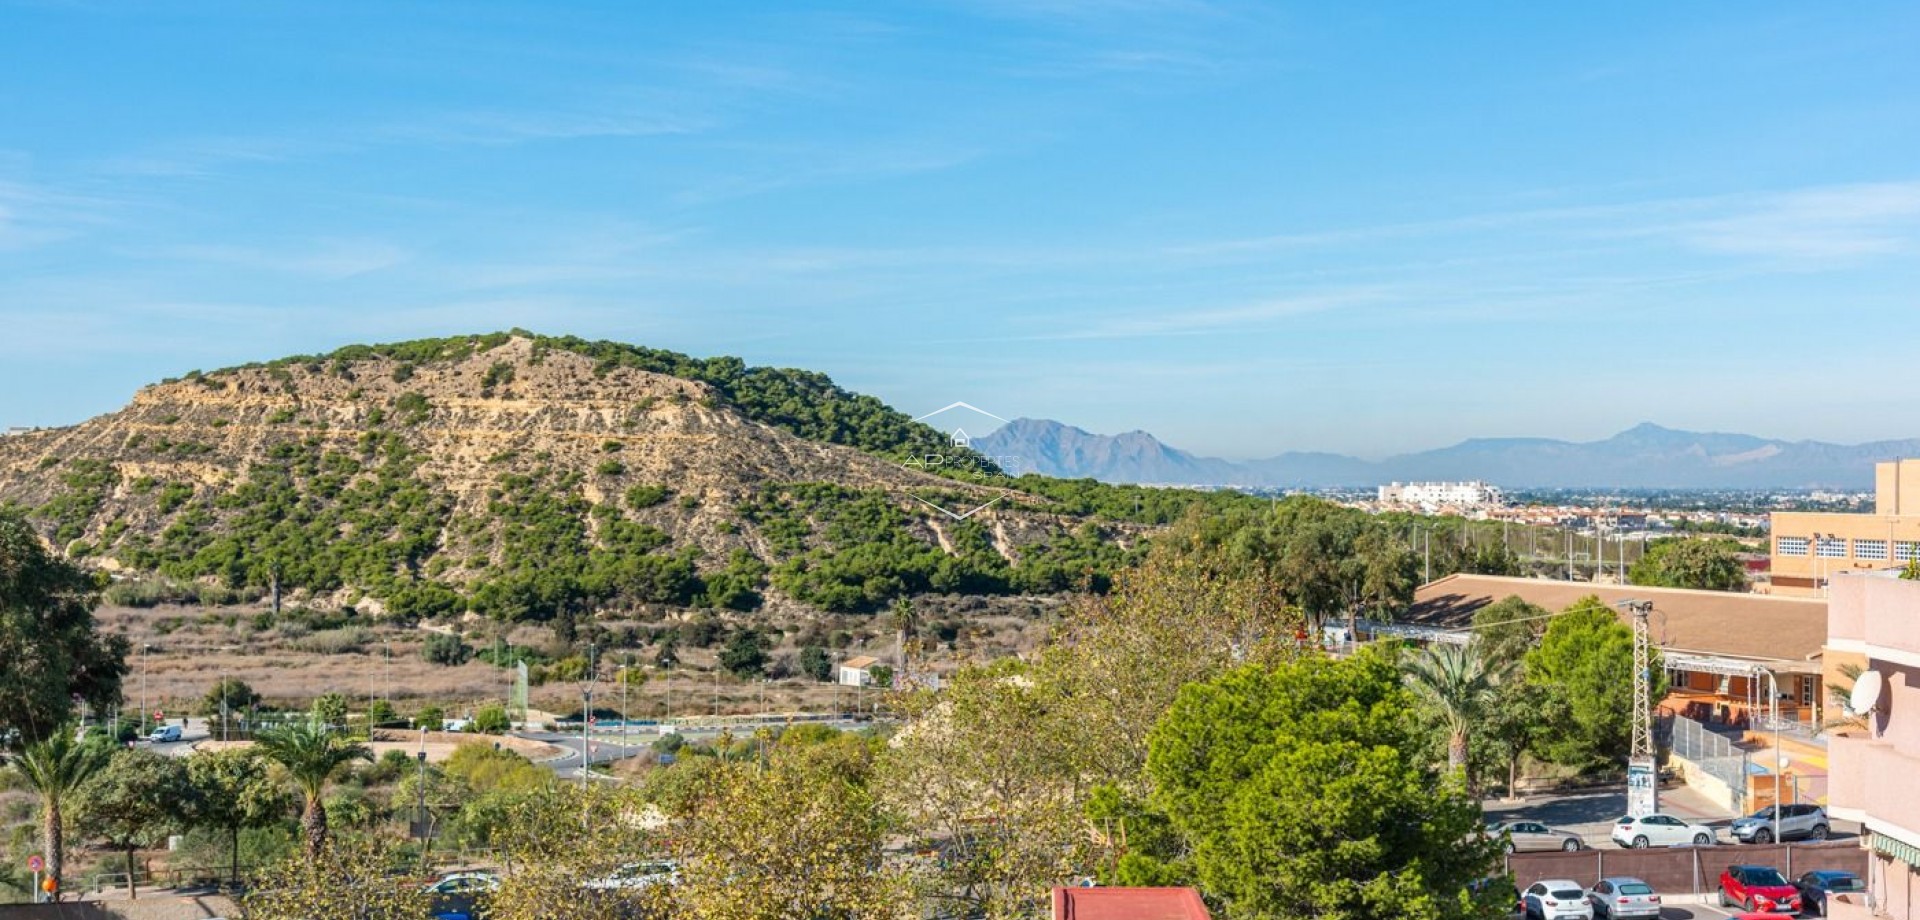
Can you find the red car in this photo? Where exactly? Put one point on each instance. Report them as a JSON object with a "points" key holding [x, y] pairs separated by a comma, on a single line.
{"points": [[1758, 889]]}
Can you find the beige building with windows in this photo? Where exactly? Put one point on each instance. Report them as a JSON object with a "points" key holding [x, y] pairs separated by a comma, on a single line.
{"points": [[1873, 622], [1810, 547]]}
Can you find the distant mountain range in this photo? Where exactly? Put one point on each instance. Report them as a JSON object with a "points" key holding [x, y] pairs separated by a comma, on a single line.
{"points": [[1646, 456]]}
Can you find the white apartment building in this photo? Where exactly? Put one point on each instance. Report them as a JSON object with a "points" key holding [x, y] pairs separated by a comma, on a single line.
{"points": [[1475, 494]]}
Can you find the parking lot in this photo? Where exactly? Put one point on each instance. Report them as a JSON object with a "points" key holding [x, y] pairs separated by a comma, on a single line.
{"points": [[1591, 813]]}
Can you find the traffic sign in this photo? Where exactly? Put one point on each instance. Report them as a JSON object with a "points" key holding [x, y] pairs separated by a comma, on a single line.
{"points": [[35, 863]]}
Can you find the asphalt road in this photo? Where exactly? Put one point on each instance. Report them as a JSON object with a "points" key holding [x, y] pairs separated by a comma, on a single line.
{"points": [[1591, 814]]}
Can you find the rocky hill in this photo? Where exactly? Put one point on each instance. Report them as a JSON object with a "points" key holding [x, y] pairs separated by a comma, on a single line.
{"points": [[526, 477]]}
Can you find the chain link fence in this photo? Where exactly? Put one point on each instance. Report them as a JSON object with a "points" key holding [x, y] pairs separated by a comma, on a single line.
{"points": [[1713, 754]]}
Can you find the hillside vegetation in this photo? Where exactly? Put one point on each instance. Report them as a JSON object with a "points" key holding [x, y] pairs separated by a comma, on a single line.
{"points": [[526, 477]]}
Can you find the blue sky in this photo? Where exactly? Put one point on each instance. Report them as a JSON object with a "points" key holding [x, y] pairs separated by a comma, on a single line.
{"points": [[1247, 228]]}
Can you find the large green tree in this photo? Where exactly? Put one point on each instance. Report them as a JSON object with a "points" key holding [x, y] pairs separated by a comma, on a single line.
{"points": [[53, 653], [134, 803], [1301, 792], [235, 791], [798, 837], [1708, 565], [1585, 663], [311, 752], [1325, 560], [55, 767]]}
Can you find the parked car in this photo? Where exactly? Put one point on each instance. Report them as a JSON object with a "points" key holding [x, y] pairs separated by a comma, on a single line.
{"points": [[1557, 899], [1797, 822], [1623, 897], [1758, 889], [164, 734], [1659, 830], [457, 896], [636, 875], [1524, 836], [1816, 885]]}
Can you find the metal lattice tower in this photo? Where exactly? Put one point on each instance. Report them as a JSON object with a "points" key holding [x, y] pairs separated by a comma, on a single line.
{"points": [[1642, 724]]}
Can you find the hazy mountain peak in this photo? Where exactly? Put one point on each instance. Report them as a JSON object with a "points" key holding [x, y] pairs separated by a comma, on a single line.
{"points": [[1647, 455]]}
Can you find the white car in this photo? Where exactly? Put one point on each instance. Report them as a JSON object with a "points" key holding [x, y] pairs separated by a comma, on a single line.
{"points": [[1660, 830], [1556, 899], [635, 876]]}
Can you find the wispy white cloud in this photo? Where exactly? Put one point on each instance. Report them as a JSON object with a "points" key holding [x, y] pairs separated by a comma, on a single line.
{"points": [[830, 165], [32, 214], [1818, 224], [613, 118], [326, 259], [1837, 223]]}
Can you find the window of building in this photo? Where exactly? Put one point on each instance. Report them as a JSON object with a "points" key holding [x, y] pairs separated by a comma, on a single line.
{"points": [[1806, 691], [1870, 549], [1906, 550], [1791, 546], [1831, 548]]}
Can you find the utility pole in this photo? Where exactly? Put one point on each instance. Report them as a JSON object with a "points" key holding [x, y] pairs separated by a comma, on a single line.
{"points": [[144, 711], [1643, 785]]}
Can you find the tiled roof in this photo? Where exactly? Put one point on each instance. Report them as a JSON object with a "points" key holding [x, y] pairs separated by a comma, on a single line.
{"points": [[864, 661], [1724, 623], [1128, 904]]}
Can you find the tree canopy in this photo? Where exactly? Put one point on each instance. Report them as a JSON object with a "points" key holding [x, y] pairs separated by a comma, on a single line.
{"points": [[1585, 662], [53, 652], [1300, 792], [1708, 565]]}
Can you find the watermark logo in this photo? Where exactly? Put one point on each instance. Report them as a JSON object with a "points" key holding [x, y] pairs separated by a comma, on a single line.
{"points": [[959, 455]]}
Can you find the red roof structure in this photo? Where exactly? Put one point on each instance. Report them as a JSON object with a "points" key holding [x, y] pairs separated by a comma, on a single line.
{"points": [[1128, 904]]}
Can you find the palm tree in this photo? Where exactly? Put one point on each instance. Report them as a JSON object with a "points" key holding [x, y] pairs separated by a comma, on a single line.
{"points": [[54, 768], [1840, 697], [1459, 685], [311, 752]]}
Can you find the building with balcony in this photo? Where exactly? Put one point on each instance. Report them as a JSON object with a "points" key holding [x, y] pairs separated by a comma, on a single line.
{"points": [[1873, 624], [1436, 495], [1810, 547]]}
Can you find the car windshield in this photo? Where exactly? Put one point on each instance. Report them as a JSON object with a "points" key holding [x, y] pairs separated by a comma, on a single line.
{"points": [[1763, 814], [1636, 889], [1846, 883], [1568, 894], [1764, 877]]}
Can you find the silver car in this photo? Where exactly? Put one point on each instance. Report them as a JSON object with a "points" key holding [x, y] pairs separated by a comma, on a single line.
{"points": [[1796, 822], [1528, 836], [1623, 897], [1556, 899]]}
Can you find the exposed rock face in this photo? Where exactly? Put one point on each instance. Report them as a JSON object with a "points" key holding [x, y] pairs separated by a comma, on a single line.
{"points": [[436, 453]]}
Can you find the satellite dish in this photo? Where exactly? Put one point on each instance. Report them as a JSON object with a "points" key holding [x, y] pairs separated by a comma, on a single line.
{"points": [[1866, 693]]}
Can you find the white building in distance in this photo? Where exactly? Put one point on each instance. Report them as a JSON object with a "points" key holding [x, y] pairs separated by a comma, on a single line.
{"points": [[1431, 495]]}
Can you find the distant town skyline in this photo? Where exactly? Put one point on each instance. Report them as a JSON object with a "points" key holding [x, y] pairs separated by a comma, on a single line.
{"points": [[1244, 228]]}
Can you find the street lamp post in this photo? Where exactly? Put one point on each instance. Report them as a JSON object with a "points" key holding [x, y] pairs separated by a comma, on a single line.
{"points": [[420, 812], [586, 721], [1773, 707]]}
